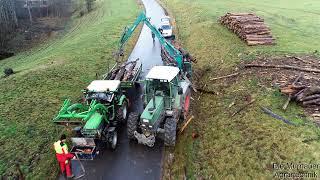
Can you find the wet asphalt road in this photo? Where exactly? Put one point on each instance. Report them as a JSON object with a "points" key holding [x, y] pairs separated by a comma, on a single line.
{"points": [[131, 161]]}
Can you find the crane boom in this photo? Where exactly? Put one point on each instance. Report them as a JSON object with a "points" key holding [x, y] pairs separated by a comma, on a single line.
{"points": [[173, 52]]}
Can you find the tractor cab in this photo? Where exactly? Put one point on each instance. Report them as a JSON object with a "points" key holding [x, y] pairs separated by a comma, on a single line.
{"points": [[161, 93], [162, 81], [166, 99], [102, 91]]}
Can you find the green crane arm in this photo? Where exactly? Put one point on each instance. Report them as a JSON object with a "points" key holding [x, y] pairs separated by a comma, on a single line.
{"points": [[173, 52]]}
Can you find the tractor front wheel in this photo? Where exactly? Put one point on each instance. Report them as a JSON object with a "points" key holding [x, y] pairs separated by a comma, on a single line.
{"points": [[122, 113], [114, 140], [132, 124], [170, 132]]}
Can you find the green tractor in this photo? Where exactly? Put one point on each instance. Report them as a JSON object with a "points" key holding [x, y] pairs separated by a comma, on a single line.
{"points": [[104, 109], [167, 100]]}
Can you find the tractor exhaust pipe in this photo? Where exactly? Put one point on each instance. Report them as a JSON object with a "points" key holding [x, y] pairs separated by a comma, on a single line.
{"points": [[154, 100]]}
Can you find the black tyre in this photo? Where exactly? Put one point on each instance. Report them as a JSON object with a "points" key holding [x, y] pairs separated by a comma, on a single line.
{"points": [[122, 112], [132, 124], [137, 85], [114, 140], [170, 132]]}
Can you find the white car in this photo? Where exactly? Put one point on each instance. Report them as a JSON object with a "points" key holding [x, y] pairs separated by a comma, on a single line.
{"points": [[165, 19], [166, 29]]}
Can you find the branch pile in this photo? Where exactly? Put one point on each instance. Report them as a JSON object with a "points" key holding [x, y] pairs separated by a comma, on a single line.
{"points": [[125, 72], [308, 96], [249, 27]]}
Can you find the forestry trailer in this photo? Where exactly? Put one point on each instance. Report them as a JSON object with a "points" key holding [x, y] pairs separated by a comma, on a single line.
{"points": [[166, 93]]}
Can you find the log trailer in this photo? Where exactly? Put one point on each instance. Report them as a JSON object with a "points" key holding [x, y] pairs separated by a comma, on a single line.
{"points": [[103, 110], [166, 92]]}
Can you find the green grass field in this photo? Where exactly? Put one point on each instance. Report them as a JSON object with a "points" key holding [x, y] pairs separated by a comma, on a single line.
{"points": [[246, 145], [47, 75]]}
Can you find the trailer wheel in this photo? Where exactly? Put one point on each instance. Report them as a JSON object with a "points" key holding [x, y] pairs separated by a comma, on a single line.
{"points": [[170, 132], [132, 124], [122, 113]]}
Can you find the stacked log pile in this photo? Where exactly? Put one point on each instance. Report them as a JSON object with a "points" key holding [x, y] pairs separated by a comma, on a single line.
{"points": [[249, 27], [125, 72]]}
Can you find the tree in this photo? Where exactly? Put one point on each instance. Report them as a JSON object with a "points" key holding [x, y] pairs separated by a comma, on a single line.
{"points": [[8, 20], [89, 5]]}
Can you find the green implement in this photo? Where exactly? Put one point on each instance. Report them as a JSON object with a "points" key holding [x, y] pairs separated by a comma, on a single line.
{"points": [[79, 113], [180, 60]]}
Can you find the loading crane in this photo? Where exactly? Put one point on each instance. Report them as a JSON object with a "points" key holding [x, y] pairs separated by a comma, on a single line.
{"points": [[179, 58]]}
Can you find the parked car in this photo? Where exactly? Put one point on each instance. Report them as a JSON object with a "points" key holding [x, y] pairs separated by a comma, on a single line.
{"points": [[166, 29], [165, 19]]}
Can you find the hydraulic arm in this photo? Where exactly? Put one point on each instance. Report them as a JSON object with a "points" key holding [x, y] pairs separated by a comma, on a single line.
{"points": [[173, 52]]}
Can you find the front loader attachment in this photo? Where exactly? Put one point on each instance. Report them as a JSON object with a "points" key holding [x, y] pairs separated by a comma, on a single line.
{"points": [[80, 113]]}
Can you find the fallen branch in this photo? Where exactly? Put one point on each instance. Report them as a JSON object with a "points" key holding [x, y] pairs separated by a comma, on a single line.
{"points": [[205, 91], [223, 77], [243, 107], [269, 112], [298, 58], [186, 124], [283, 67]]}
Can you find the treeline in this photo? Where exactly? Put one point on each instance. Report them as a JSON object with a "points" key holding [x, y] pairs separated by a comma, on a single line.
{"points": [[8, 20], [16, 12]]}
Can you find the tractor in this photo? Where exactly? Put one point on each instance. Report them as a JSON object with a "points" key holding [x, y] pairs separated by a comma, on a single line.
{"points": [[166, 91], [98, 117], [167, 101]]}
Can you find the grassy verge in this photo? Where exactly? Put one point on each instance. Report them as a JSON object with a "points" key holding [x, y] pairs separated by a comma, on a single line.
{"points": [[244, 146], [46, 76]]}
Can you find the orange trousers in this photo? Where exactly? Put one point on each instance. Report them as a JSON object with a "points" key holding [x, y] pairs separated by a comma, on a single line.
{"points": [[65, 167]]}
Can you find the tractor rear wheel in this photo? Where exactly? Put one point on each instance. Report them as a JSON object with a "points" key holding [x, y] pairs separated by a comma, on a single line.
{"points": [[132, 124], [170, 132], [122, 112]]}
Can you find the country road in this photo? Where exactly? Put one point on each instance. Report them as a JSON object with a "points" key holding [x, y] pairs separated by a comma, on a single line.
{"points": [[131, 160]]}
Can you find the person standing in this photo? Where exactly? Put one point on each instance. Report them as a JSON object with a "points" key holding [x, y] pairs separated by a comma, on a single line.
{"points": [[153, 36], [63, 156]]}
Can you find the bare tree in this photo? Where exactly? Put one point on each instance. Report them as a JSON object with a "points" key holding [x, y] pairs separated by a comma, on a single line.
{"points": [[8, 20]]}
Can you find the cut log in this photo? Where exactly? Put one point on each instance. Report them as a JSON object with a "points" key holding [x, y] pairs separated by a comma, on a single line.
{"points": [[257, 36], [259, 39], [253, 43], [312, 97], [312, 90], [311, 102], [136, 68], [120, 74], [129, 70], [113, 74]]}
